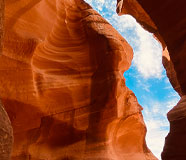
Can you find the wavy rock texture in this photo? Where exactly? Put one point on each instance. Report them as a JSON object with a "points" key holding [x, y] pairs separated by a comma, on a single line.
{"points": [[63, 87], [6, 135], [169, 19]]}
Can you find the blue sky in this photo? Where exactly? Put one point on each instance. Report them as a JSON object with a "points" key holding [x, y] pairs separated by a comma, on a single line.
{"points": [[146, 77]]}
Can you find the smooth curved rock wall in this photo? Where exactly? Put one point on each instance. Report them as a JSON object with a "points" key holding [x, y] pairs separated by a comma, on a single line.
{"points": [[62, 84]]}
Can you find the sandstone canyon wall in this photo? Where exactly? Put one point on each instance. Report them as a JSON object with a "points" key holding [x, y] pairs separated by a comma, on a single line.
{"points": [[167, 21], [5, 126], [62, 84]]}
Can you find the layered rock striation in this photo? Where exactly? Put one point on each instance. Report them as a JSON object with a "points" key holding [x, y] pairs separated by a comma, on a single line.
{"points": [[62, 84]]}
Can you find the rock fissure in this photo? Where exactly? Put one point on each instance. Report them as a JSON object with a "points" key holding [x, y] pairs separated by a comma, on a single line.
{"points": [[170, 31]]}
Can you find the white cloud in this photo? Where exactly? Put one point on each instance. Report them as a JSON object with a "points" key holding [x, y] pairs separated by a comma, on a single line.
{"points": [[147, 51], [147, 57], [157, 124], [89, 1], [155, 141], [98, 3], [102, 1], [143, 85]]}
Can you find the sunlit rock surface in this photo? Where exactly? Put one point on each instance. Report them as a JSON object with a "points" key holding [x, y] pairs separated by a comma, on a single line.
{"points": [[62, 84], [169, 21]]}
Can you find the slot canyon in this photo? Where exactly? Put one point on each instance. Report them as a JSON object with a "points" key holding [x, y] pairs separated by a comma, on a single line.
{"points": [[62, 84]]}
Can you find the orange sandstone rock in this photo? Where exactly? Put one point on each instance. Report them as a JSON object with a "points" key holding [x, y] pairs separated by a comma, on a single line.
{"points": [[168, 65], [6, 135], [63, 87], [133, 8]]}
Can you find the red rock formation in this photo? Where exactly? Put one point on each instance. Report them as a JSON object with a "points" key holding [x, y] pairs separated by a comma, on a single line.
{"points": [[169, 19], [6, 135], [175, 141], [168, 65], [163, 20], [174, 36], [133, 8], [63, 87]]}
